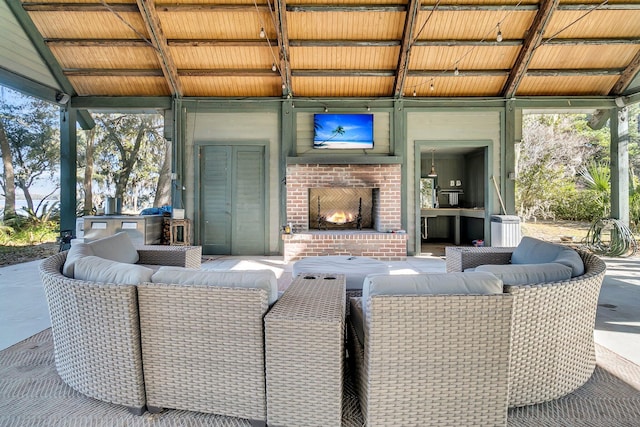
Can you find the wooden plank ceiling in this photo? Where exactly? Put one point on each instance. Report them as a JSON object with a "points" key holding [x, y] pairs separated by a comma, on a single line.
{"points": [[343, 48]]}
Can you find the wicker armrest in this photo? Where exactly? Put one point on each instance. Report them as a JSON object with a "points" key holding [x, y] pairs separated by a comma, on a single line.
{"points": [[181, 256], [459, 259]]}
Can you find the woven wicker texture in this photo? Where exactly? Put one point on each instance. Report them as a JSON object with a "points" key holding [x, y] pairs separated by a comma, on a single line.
{"points": [[552, 336], [182, 256], [33, 395], [97, 335], [203, 348], [461, 258], [304, 335], [434, 360]]}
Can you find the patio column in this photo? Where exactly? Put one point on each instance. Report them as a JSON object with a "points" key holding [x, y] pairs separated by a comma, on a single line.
{"points": [[620, 164], [513, 135], [68, 161]]}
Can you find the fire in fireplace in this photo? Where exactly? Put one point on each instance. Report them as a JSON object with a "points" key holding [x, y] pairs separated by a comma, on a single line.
{"points": [[338, 208]]}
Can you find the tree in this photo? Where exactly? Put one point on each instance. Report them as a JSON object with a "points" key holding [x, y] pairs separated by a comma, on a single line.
{"points": [[31, 145], [163, 193], [131, 160], [553, 148], [8, 179]]}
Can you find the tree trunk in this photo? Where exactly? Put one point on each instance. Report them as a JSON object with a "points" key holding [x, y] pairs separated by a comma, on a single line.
{"points": [[128, 162], [163, 190], [88, 172], [9, 177], [27, 196]]}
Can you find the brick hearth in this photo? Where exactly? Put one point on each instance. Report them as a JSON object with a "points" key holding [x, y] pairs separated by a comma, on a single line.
{"points": [[382, 242]]}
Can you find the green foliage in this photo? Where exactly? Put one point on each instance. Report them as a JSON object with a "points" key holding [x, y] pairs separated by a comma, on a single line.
{"points": [[571, 204], [536, 185], [563, 168], [31, 127], [597, 177], [21, 231], [129, 150]]}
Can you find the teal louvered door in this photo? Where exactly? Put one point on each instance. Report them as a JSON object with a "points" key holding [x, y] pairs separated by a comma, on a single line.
{"points": [[232, 200]]}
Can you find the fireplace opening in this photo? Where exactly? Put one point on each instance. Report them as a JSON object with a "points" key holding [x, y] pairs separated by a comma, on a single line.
{"points": [[338, 208]]}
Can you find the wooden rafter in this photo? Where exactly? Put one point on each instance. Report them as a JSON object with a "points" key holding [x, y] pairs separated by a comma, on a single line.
{"points": [[337, 43], [152, 22], [283, 45], [531, 41], [405, 50], [245, 72], [627, 76], [35, 6]]}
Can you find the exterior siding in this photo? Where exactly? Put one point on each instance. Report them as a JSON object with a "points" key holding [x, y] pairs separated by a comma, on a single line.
{"points": [[238, 128], [17, 54]]}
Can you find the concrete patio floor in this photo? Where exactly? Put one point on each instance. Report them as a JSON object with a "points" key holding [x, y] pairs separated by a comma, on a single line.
{"points": [[24, 312]]}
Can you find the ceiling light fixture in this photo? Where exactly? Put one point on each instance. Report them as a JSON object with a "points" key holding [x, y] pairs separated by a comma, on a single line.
{"points": [[432, 173], [262, 33], [456, 71], [414, 93], [326, 109], [431, 87], [273, 67], [499, 35]]}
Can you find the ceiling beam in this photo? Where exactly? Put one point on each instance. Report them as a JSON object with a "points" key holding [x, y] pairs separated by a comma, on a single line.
{"points": [[405, 50], [627, 76], [332, 43], [243, 72], [113, 72], [344, 73], [229, 72], [283, 46], [159, 41], [170, 7], [531, 41], [77, 7]]}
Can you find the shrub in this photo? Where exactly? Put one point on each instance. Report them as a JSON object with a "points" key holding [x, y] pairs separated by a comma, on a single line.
{"points": [[571, 204]]}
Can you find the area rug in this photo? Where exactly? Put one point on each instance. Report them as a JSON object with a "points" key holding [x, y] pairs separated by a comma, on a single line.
{"points": [[32, 394]]}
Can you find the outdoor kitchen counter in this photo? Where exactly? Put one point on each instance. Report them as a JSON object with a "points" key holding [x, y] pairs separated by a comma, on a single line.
{"points": [[454, 212]]}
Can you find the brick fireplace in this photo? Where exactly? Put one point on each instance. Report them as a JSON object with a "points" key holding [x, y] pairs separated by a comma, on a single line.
{"points": [[378, 237]]}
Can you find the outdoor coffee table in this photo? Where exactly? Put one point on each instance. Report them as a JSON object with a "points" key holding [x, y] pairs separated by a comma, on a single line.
{"points": [[304, 346], [355, 268]]}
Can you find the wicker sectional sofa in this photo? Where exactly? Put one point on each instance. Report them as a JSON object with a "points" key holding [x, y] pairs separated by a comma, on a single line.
{"points": [[96, 329], [431, 349], [158, 344], [552, 342]]}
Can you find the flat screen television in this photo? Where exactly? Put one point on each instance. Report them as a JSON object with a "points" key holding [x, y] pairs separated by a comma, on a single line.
{"points": [[343, 131]]}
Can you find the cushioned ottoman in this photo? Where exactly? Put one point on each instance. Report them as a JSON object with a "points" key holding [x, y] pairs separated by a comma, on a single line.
{"points": [[354, 268]]}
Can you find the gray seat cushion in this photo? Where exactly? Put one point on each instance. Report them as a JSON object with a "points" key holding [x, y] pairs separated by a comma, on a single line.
{"points": [[526, 274], [475, 283], [96, 269], [536, 251], [261, 279], [118, 247]]}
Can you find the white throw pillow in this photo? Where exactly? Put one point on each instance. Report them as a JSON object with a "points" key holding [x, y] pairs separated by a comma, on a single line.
{"points": [[528, 274], [116, 248], [77, 251], [96, 269], [261, 279]]}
